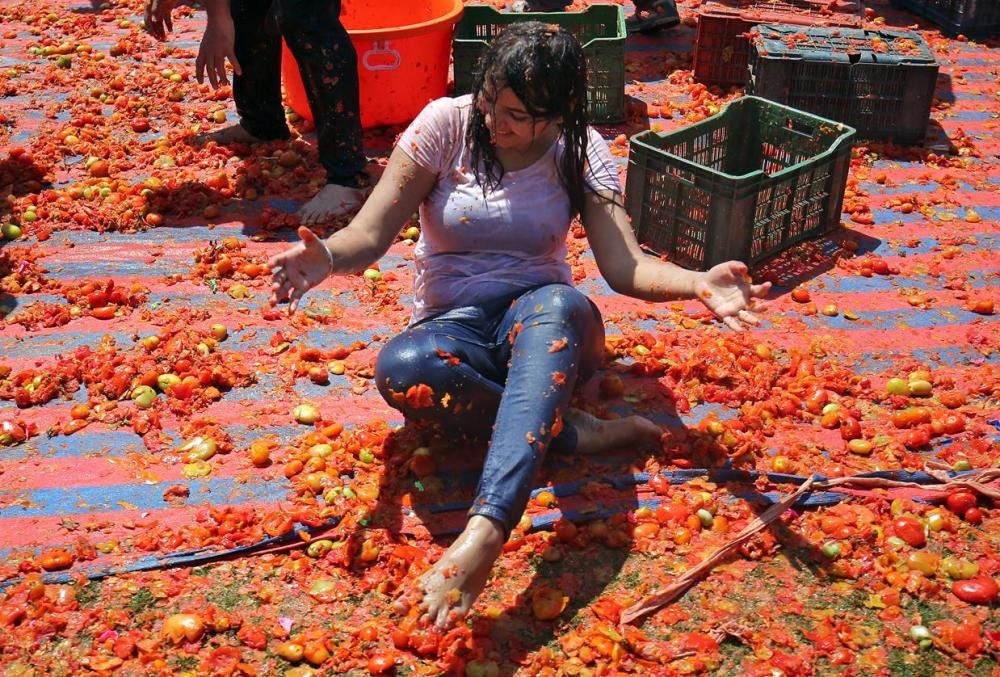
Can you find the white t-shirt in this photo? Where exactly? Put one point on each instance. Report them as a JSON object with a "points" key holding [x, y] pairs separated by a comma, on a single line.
{"points": [[475, 246]]}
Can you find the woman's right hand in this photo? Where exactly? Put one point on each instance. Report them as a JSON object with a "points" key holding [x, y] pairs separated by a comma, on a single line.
{"points": [[299, 268]]}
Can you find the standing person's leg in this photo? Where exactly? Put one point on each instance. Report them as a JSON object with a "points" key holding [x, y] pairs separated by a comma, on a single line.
{"points": [[257, 90], [328, 64]]}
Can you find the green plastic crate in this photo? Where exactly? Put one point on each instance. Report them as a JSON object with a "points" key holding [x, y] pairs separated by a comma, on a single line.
{"points": [[881, 82], [600, 30], [743, 184]]}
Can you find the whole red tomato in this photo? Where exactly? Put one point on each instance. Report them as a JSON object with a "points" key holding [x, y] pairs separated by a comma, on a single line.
{"points": [[850, 429], [978, 590], [918, 438], [973, 516], [381, 663], [910, 530], [960, 501]]}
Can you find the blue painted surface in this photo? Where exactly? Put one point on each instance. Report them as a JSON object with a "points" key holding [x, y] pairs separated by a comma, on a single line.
{"points": [[76, 500]]}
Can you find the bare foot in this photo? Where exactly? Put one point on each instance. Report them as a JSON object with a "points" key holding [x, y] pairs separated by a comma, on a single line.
{"points": [[227, 135], [452, 585], [595, 436], [333, 201]]}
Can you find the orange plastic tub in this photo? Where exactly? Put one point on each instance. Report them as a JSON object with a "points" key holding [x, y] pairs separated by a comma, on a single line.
{"points": [[404, 50]]}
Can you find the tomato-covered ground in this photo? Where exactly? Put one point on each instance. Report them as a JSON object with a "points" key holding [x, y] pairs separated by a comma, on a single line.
{"points": [[190, 481]]}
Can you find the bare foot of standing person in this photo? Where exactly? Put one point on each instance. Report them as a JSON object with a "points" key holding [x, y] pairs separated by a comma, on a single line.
{"points": [[595, 435], [332, 201]]}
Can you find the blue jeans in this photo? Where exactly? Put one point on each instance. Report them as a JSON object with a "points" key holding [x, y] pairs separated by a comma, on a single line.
{"points": [[504, 371]]}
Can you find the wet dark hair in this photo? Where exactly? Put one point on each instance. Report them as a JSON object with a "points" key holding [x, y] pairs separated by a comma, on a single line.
{"points": [[544, 66]]}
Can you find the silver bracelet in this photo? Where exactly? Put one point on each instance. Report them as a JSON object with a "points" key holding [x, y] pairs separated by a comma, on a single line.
{"points": [[329, 256]]}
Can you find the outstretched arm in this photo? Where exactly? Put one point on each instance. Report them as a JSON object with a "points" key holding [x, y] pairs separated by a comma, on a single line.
{"points": [[726, 289], [399, 192]]}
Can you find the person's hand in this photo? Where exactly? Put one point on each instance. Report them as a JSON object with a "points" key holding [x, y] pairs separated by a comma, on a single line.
{"points": [[298, 269], [726, 291], [158, 15], [217, 45]]}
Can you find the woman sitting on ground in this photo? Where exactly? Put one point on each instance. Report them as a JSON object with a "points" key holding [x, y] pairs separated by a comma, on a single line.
{"points": [[498, 331]]}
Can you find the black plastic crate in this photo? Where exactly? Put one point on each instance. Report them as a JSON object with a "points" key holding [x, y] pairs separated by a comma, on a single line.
{"points": [[881, 82], [721, 48], [973, 18], [600, 30], [743, 184]]}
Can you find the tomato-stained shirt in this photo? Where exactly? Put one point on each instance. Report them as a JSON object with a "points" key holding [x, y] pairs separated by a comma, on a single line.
{"points": [[478, 244]]}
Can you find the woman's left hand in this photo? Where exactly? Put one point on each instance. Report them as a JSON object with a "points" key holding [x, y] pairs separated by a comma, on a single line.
{"points": [[727, 291]]}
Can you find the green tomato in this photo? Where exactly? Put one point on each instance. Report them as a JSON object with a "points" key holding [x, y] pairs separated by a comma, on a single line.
{"points": [[366, 456], [319, 548], [64, 61], [897, 386], [831, 549], [306, 413], [29, 216], [958, 568], [10, 231], [143, 396], [167, 381], [199, 449]]}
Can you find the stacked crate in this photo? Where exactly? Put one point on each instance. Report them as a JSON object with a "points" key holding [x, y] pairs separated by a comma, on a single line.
{"points": [[881, 82], [722, 49]]}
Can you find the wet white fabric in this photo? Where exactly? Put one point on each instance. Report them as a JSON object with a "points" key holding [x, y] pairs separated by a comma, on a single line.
{"points": [[477, 245]]}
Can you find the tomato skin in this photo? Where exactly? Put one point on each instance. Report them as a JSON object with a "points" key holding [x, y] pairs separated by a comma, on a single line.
{"points": [[55, 559], [400, 638], [952, 399], [276, 524], [918, 438], [659, 484], [978, 590], [910, 530], [960, 501], [672, 513], [967, 636]]}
